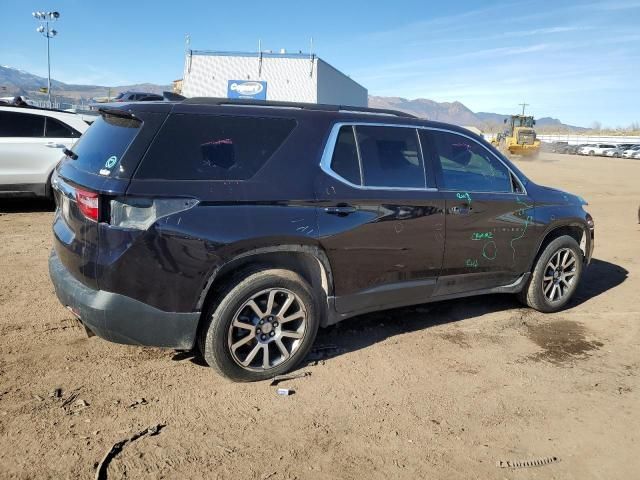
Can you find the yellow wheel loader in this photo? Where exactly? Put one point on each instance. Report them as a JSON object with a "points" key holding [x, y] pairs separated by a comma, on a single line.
{"points": [[519, 137]]}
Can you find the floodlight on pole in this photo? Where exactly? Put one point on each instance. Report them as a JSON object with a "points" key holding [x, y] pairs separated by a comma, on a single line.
{"points": [[44, 18]]}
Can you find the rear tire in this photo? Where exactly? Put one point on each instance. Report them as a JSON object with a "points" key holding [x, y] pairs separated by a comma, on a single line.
{"points": [[555, 276], [262, 324]]}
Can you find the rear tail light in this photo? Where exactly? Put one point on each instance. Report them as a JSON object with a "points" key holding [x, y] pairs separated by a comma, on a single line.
{"points": [[88, 204], [141, 213]]}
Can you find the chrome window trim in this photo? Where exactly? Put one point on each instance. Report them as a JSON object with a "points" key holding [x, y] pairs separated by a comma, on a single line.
{"points": [[424, 161], [355, 139], [327, 154]]}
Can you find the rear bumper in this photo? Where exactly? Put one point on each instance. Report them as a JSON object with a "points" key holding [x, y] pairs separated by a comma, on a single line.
{"points": [[119, 318]]}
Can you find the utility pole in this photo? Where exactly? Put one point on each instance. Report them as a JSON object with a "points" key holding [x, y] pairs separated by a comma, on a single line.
{"points": [[524, 105], [44, 18]]}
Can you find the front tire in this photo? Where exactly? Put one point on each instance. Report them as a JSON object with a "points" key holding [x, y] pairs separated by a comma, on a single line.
{"points": [[555, 276], [261, 325]]}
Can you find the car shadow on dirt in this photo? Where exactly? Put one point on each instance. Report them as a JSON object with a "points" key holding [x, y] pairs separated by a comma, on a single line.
{"points": [[598, 278], [26, 205], [366, 330]]}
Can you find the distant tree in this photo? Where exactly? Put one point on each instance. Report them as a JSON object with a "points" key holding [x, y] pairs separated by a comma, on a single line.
{"points": [[597, 126]]}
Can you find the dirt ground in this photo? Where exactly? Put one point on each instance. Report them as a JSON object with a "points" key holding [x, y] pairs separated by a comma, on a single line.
{"points": [[437, 391]]}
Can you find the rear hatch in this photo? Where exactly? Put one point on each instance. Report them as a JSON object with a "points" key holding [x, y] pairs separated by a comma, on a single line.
{"points": [[98, 168]]}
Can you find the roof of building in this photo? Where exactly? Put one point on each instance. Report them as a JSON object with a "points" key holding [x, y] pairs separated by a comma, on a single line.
{"points": [[263, 54]]}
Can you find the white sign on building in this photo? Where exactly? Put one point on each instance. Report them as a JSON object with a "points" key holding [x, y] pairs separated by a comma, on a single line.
{"points": [[291, 77]]}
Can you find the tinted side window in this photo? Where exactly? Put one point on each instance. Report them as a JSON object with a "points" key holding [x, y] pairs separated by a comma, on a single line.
{"points": [[390, 157], [56, 129], [16, 124], [213, 147], [345, 156], [468, 166]]}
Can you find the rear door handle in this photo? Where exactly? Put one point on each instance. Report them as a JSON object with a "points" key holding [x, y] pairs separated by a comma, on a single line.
{"points": [[54, 145], [341, 210]]}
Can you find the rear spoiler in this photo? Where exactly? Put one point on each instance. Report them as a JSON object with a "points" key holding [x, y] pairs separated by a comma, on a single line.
{"points": [[117, 112]]}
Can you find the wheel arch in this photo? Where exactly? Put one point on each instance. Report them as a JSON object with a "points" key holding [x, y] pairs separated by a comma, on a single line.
{"points": [[311, 262], [576, 230]]}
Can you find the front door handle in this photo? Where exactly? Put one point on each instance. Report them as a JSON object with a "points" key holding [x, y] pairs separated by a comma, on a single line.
{"points": [[54, 145], [460, 210], [340, 210]]}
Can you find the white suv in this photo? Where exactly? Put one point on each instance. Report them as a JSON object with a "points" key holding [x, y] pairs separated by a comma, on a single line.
{"points": [[595, 148], [31, 144]]}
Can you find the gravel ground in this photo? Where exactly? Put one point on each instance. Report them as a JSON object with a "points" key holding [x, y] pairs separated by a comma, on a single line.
{"points": [[436, 391]]}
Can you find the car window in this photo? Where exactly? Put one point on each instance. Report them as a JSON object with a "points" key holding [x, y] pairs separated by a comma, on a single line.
{"points": [[17, 124], [390, 157], [344, 161], [213, 147], [104, 143], [468, 166], [56, 129]]}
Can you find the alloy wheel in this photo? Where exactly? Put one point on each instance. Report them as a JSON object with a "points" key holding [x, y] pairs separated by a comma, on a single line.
{"points": [[559, 275], [267, 329]]}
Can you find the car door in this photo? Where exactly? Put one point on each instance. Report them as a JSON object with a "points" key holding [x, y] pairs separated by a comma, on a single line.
{"points": [[381, 223], [21, 148], [489, 217], [58, 136]]}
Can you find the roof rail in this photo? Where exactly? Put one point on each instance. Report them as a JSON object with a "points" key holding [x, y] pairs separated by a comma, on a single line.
{"points": [[33, 107], [298, 105]]}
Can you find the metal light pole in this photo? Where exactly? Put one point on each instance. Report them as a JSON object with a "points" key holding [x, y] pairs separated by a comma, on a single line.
{"points": [[44, 18]]}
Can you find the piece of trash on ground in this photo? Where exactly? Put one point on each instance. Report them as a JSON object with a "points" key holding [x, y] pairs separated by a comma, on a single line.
{"points": [[73, 395], [536, 462], [101, 468], [285, 392], [292, 376], [139, 401]]}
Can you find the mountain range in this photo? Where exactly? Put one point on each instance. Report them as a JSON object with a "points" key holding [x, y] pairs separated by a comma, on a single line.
{"points": [[458, 114], [18, 82]]}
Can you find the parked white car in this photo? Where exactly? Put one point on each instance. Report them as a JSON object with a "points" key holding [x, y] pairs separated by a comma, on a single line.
{"points": [[32, 141], [629, 153], [595, 148], [613, 152]]}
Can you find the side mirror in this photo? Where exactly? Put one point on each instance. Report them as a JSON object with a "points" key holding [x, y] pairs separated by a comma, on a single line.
{"points": [[534, 122]]}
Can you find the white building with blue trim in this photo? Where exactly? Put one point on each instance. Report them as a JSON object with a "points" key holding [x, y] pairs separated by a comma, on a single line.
{"points": [[291, 77]]}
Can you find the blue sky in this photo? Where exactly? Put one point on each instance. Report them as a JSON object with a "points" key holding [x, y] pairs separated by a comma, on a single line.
{"points": [[574, 60]]}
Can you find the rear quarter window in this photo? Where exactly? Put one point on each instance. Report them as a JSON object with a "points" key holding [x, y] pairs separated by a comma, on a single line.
{"points": [[56, 129], [213, 147]]}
